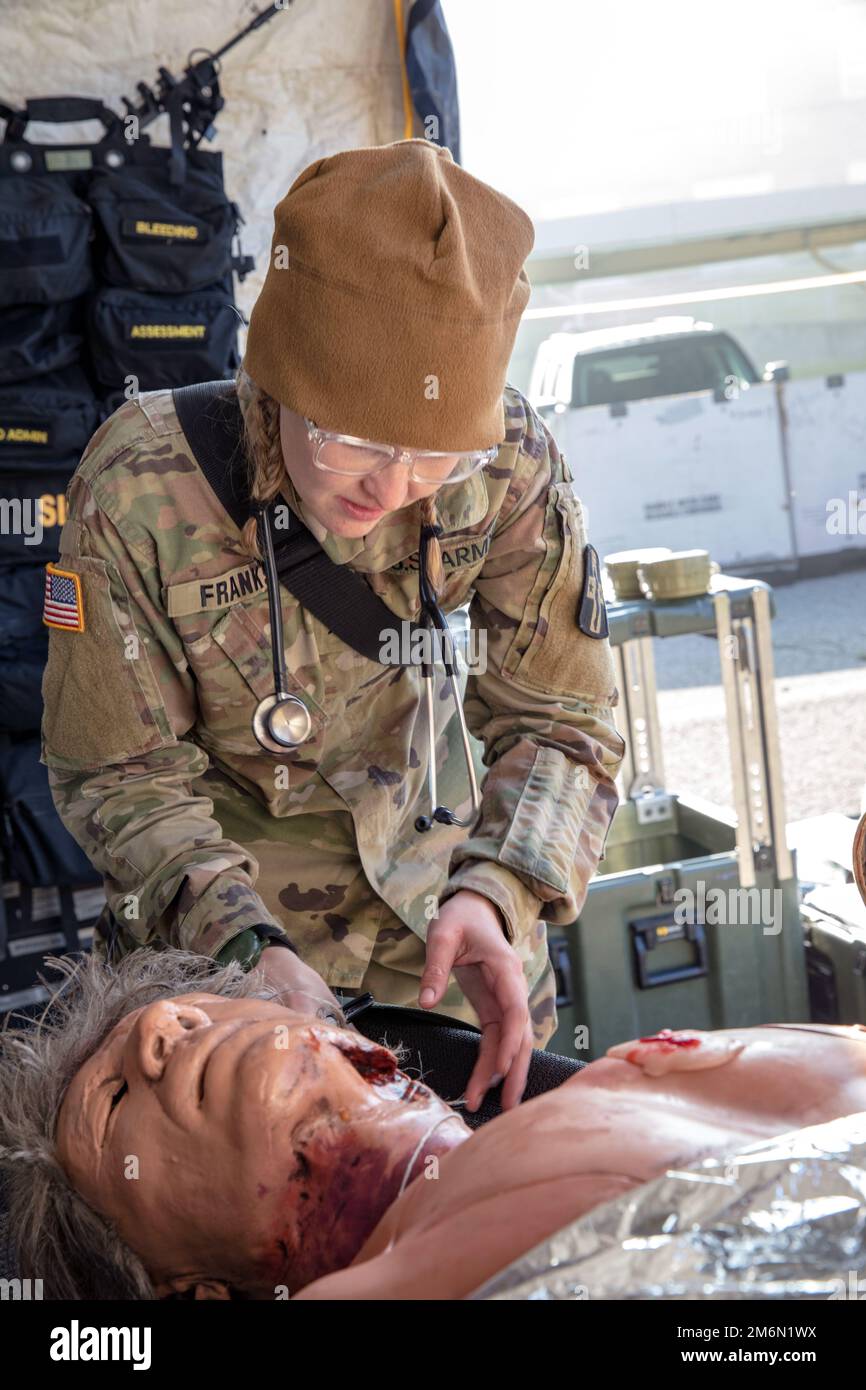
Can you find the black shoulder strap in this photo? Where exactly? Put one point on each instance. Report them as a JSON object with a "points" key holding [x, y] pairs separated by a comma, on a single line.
{"points": [[210, 418], [340, 597]]}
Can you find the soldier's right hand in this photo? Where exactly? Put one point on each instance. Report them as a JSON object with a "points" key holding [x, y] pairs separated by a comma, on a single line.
{"points": [[300, 987]]}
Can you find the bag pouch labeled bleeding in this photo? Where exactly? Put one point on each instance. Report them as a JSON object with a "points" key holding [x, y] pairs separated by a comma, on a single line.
{"points": [[154, 237]]}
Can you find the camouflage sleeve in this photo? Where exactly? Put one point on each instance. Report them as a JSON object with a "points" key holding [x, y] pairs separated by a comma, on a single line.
{"points": [[543, 705], [118, 698]]}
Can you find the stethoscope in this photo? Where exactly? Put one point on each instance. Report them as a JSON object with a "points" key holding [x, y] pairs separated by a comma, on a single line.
{"points": [[282, 721]]}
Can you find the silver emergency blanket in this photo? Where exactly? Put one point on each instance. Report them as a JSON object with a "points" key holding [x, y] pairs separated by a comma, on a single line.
{"points": [[781, 1219]]}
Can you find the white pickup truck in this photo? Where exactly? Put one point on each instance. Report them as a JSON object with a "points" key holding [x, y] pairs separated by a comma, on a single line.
{"points": [[675, 439]]}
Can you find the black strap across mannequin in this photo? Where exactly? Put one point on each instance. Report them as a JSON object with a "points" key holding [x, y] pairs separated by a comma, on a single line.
{"points": [[340, 597]]}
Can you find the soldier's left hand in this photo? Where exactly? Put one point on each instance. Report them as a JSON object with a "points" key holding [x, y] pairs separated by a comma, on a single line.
{"points": [[466, 936]]}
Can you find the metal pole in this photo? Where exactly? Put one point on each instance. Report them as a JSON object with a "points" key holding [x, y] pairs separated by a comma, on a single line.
{"points": [[777, 824], [735, 715], [642, 714]]}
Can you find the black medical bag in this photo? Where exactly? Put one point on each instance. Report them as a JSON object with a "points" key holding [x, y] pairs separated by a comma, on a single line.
{"points": [[116, 276], [107, 260]]}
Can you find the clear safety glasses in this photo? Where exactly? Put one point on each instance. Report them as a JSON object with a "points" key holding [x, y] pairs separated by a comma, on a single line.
{"points": [[343, 453]]}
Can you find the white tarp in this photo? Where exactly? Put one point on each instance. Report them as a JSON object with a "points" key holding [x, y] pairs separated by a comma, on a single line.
{"points": [[322, 76]]}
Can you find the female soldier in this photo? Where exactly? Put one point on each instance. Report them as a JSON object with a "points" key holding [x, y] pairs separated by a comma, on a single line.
{"points": [[388, 313]]}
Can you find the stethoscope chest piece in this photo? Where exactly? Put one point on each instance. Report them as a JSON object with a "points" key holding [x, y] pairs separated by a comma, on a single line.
{"points": [[281, 722]]}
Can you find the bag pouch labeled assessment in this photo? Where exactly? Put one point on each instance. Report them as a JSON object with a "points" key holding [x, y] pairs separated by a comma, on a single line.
{"points": [[171, 340]]}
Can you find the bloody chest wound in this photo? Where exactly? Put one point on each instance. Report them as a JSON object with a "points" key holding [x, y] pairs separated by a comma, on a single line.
{"points": [[666, 1036]]}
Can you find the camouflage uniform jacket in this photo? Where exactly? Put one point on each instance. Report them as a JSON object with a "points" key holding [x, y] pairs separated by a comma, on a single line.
{"points": [[147, 723]]}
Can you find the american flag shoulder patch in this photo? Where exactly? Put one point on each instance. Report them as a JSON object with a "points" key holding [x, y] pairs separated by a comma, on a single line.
{"points": [[63, 605]]}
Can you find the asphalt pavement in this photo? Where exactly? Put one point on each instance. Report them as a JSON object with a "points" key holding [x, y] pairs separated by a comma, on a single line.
{"points": [[819, 647]]}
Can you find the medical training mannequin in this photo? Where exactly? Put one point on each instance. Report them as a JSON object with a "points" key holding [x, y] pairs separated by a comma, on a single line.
{"points": [[240, 1148]]}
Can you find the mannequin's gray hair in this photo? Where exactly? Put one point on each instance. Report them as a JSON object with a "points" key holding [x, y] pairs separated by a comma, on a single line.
{"points": [[52, 1232]]}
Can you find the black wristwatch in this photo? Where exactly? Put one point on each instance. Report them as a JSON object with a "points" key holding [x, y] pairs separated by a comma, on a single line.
{"points": [[246, 948]]}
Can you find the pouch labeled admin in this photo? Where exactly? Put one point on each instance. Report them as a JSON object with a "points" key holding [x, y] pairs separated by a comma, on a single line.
{"points": [[45, 423]]}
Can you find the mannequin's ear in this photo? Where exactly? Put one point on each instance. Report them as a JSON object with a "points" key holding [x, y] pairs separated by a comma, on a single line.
{"points": [[192, 1286]]}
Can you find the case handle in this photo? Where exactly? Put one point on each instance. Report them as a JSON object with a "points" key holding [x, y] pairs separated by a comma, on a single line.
{"points": [[648, 936]]}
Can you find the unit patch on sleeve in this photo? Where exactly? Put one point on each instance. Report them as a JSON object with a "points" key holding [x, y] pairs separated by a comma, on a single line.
{"points": [[591, 612], [63, 605]]}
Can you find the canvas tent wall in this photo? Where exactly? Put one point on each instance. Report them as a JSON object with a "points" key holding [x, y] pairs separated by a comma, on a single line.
{"points": [[322, 76]]}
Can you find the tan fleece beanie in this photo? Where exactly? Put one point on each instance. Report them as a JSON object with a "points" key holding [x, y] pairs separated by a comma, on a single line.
{"points": [[392, 298]]}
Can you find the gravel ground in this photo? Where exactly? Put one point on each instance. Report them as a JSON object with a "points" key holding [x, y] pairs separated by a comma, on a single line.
{"points": [[819, 646]]}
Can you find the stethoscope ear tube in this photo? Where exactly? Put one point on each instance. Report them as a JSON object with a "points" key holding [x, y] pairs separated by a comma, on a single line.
{"points": [[281, 720]]}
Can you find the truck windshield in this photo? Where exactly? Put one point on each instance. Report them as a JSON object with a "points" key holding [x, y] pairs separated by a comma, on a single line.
{"points": [[662, 367]]}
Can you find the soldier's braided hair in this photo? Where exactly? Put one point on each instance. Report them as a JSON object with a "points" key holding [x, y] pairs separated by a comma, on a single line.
{"points": [[435, 568], [267, 469]]}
